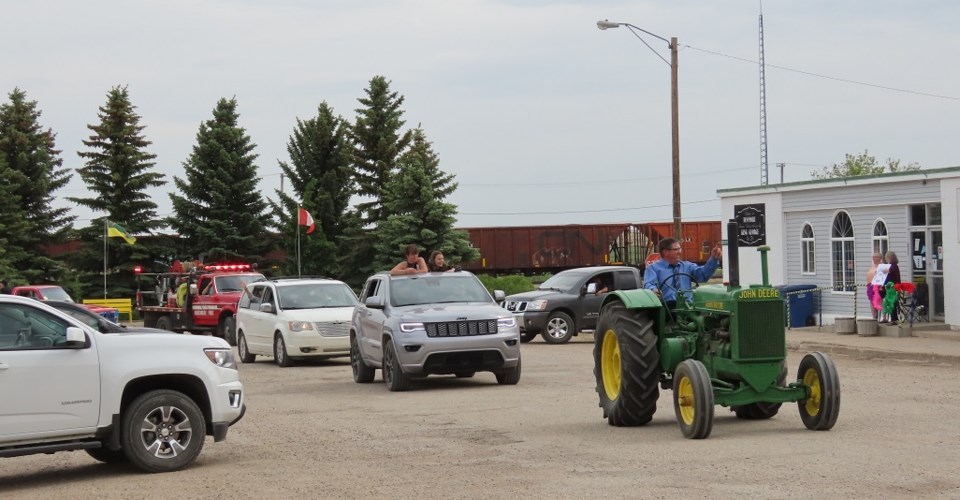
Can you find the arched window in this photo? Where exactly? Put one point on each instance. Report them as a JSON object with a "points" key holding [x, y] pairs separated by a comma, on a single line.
{"points": [[881, 242], [808, 259], [843, 259]]}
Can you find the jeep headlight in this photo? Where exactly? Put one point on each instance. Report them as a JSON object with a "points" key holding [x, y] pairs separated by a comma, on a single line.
{"points": [[221, 357], [537, 305], [412, 327], [299, 326], [506, 323]]}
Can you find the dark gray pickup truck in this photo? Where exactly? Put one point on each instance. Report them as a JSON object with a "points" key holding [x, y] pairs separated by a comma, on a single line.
{"points": [[566, 303]]}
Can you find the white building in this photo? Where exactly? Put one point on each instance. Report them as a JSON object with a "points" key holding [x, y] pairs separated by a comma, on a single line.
{"points": [[824, 232]]}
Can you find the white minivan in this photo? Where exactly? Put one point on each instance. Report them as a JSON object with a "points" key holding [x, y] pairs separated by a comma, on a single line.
{"points": [[291, 318]]}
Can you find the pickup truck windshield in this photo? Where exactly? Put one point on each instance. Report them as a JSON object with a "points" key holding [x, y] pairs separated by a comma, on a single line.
{"points": [[563, 282], [227, 284]]}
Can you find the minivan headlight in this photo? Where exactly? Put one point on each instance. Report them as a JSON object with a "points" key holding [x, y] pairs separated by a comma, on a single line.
{"points": [[299, 326]]}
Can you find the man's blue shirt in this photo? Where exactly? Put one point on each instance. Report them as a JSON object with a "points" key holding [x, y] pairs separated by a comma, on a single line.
{"points": [[661, 270]]}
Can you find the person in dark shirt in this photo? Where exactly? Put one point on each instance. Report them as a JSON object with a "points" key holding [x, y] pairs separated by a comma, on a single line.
{"points": [[893, 276], [413, 264], [4, 288]]}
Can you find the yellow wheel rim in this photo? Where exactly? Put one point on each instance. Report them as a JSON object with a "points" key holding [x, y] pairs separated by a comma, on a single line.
{"points": [[812, 380], [685, 400], [610, 365]]}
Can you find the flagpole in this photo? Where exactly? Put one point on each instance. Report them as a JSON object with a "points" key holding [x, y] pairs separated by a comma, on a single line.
{"points": [[298, 241], [105, 222]]}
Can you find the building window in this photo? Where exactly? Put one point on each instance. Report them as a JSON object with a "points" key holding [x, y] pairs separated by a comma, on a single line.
{"points": [[807, 246], [843, 258], [881, 242]]}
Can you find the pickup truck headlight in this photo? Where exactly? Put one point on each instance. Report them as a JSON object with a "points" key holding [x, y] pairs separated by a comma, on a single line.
{"points": [[506, 323], [221, 357], [299, 326], [412, 327], [537, 305]]}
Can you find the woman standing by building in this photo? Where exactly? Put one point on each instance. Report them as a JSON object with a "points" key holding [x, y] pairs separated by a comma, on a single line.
{"points": [[893, 276]]}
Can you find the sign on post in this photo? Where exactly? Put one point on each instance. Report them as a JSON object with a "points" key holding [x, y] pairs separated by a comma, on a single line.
{"points": [[751, 223]]}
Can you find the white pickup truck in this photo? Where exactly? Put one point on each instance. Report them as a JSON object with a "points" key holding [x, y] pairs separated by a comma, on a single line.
{"points": [[145, 398]]}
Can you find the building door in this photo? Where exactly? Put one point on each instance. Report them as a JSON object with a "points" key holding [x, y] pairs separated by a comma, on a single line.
{"points": [[926, 263]]}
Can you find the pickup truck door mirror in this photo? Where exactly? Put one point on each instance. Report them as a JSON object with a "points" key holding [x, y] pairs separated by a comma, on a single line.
{"points": [[75, 338], [499, 296], [591, 288], [375, 302], [266, 307]]}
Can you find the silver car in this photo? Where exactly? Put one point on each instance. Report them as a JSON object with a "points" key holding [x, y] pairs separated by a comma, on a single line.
{"points": [[437, 323]]}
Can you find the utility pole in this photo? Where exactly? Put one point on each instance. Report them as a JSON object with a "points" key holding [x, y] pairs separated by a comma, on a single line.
{"points": [[675, 115], [780, 166]]}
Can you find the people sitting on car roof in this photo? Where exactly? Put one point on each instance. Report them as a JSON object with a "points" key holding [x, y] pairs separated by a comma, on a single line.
{"points": [[436, 263], [413, 264]]}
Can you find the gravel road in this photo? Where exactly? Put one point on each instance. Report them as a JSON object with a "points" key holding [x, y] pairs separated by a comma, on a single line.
{"points": [[311, 432]]}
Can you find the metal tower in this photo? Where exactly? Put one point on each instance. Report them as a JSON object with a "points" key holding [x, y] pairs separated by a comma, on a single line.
{"points": [[764, 173]]}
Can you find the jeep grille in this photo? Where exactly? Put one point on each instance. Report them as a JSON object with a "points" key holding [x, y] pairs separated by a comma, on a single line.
{"points": [[461, 328]]}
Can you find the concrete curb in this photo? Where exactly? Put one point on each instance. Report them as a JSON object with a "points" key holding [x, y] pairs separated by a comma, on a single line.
{"points": [[859, 352]]}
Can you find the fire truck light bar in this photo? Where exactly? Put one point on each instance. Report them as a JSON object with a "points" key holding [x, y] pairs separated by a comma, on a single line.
{"points": [[229, 267]]}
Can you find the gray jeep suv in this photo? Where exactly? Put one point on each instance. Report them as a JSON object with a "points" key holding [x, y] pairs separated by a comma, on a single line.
{"points": [[437, 323]]}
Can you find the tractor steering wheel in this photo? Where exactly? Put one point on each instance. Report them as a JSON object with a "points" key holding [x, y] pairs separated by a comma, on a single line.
{"points": [[693, 284]]}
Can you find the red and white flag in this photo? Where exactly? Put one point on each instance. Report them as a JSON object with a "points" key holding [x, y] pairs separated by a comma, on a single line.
{"points": [[307, 220]]}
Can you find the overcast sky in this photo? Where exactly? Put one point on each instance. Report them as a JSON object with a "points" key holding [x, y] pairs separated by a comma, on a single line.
{"points": [[542, 117]]}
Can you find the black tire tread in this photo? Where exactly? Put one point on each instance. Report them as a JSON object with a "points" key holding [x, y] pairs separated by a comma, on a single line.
{"points": [[639, 362]]}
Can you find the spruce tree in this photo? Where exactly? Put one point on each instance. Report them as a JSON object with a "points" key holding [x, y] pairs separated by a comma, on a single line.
{"points": [[378, 142], [12, 223], [34, 174], [415, 199], [321, 177], [118, 173], [221, 213]]}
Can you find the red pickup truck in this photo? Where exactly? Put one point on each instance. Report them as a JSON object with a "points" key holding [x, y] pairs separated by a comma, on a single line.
{"points": [[55, 292], [210, 306]]}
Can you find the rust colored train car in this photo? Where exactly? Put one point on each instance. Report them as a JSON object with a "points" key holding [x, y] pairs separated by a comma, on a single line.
{"points": [[531, 249]]}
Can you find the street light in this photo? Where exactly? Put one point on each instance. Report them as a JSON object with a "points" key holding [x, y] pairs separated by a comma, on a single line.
{"points": [[674, 111]]}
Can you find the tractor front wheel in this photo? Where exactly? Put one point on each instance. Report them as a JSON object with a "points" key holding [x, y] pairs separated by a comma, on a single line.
{"points": [[693, 399], [820, 409], [626, 365], [762, 410]]}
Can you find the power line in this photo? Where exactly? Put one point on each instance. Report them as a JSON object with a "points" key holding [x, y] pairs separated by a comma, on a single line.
{"points": [[593, 181], [828, 77], [605, 210]]}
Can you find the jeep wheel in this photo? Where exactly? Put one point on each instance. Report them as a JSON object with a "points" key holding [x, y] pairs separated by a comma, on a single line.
{"points": [[243, 350], [527, 337], [510, 376], [362, 374], [162, 431], [559, 328], [626, 365], [819, 410], [392, 372], [280, 354], [228, 330], [762, 410], [693, 399], [107, 456]]}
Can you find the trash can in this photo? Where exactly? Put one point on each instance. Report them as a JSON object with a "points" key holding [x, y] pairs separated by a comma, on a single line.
{"points": [[798, 302]]}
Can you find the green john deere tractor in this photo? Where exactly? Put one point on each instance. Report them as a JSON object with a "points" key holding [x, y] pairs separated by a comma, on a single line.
{"points": [[725, 345]]}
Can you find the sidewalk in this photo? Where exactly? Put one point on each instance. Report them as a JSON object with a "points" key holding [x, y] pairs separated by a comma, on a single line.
{"points": [[929, 343]]}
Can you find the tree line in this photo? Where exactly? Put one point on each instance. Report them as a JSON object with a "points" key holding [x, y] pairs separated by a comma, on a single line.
{"points": [[218, 210]]}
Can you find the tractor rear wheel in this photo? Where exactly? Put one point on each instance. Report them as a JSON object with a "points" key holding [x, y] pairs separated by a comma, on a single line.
{"points": [[693, 399], [819, 411], [762, 410], [626, 365]]}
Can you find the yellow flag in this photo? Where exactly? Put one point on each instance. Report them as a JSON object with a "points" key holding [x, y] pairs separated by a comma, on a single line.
{"points": [[115, 230]]}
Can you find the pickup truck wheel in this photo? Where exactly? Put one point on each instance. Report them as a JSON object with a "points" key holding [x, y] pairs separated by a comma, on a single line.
{"points": [[163, 323], [162, 431], [559, 328], [392, 372], [243, 350], [362, 374], [527, 337], [228, 330], [280, 352], [107, 456], [510, 376]]}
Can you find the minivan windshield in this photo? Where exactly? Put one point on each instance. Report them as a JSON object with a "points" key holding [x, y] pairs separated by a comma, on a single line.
{"points": [[316, 296]]}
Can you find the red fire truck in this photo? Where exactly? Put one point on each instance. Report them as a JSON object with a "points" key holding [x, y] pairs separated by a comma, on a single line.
{"points": [[210, 306]]}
